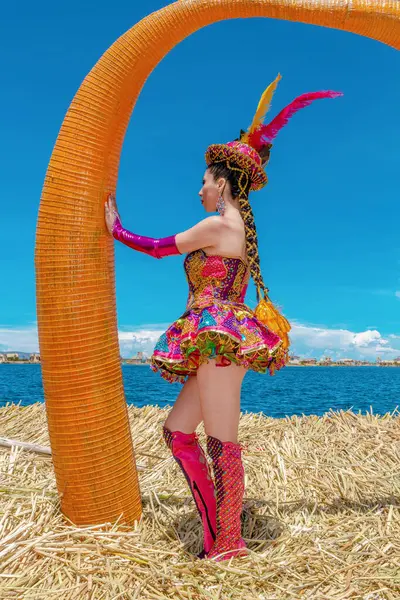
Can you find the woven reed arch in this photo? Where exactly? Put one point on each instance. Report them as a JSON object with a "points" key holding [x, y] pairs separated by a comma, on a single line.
{"points": [[74, 255]]}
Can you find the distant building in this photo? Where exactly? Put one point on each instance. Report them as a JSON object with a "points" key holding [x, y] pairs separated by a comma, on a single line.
{"points": [[346, 361], [139, 359], [12, 355], [3, 358], [325, 360], [34, 358], [294, 360], [308, 361]]}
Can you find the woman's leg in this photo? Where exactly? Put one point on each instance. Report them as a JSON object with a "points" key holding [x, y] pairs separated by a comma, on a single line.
{"points": [[219, 389], [186, 414], [179, 435]]}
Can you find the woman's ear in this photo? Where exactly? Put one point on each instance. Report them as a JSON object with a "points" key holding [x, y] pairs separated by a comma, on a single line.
{"points": [[221, 183]]}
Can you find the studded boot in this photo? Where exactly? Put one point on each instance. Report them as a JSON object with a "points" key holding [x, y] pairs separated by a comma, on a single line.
{"points": [[229, 486], [190, 456]]}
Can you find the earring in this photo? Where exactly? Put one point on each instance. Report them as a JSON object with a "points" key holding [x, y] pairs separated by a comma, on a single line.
{"points": [[221, 206]]}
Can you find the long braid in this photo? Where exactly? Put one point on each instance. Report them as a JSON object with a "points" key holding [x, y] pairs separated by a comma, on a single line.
{"points": [[266, 312], [252, 245], [250, 230]]}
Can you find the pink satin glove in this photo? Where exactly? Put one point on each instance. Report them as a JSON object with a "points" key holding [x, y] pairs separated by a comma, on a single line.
{"points": [[154, 247]]}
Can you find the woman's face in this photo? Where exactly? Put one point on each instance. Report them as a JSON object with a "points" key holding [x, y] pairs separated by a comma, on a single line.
{"points": [[211, 191]]}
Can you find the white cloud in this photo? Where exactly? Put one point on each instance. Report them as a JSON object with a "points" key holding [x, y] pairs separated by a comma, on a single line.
{"points": [[138, 340], [20, 339], [25, 339], [366, 338], [306, 340], [381, 292], [374, 291], [317, 341]]}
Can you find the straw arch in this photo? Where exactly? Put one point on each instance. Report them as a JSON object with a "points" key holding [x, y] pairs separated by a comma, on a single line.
{"points": [[74, 257]]}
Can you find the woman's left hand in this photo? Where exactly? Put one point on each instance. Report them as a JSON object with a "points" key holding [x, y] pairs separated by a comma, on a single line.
{"points": [[111, 212]]}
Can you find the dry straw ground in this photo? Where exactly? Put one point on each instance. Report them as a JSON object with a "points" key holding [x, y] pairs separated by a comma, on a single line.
{"points": [[321, 517]]}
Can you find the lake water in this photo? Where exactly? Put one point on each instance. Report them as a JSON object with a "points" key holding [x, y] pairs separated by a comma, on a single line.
{"points": [[293, 390]]}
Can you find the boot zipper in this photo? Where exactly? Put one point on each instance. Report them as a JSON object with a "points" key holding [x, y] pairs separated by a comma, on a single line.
{"points": [[196, 487]]}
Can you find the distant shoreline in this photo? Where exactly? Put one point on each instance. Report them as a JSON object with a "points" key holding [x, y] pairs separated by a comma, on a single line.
{"points": [[148, 364]]}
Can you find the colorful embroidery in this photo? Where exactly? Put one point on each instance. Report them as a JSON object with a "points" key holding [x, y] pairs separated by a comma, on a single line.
{"points": [[216, 323]]}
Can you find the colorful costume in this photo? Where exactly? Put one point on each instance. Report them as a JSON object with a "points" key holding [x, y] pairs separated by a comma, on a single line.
{"points": [[218, 325]]}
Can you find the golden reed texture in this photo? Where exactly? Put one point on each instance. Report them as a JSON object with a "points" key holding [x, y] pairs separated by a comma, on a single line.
{"points": [[74, 256]]}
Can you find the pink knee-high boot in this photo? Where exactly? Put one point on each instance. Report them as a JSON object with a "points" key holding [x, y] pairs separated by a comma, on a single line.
{"points": [[229, 486], [189, 455]]}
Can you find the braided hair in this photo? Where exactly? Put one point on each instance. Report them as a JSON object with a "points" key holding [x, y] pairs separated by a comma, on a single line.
{"points": [[240, 183]]}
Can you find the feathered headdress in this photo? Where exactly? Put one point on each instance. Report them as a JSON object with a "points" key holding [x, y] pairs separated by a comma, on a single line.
{"points": [[259, 136], [252, 149]]}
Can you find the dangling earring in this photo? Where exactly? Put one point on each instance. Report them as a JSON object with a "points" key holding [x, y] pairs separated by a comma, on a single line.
{"points": [[221, 206]]}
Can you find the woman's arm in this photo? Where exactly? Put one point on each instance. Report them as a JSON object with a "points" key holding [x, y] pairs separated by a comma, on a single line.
{"points": [[204, 234], [154, 247]]}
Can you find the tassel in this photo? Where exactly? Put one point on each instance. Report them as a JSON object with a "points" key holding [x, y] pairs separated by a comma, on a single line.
{"points": [[267, 313], [262, 109]]}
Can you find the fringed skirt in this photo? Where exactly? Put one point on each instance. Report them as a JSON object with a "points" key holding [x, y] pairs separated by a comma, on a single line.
{"points": [[228, 332]]}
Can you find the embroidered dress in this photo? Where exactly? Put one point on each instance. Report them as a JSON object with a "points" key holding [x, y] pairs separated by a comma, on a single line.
{"points": [[216, 324]]}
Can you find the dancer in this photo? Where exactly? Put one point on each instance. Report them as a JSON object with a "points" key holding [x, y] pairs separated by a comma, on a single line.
{"points": [[218, 338]]}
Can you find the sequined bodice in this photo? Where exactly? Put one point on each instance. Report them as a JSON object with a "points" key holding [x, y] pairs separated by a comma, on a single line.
{"points": [[215, 278]]}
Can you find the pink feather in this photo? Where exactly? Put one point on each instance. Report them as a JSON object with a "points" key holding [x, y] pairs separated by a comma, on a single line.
{"points": [[256, 138], [266, 133]]}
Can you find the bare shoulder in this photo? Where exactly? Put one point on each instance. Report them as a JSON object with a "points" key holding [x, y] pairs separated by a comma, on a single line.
{"points": [[214, 223], [205, 233]]}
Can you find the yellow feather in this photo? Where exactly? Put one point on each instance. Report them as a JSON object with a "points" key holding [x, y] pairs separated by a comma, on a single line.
{"points": [[262, 108]]}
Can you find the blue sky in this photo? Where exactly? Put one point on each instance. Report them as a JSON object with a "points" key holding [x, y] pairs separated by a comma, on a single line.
{"points": [[327, 221]]}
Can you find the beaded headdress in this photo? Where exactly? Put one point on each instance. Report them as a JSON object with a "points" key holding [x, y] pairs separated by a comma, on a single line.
{"points": [[251, 151]]}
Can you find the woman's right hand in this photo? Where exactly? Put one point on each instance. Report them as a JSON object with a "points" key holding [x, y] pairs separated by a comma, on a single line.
{"points": [[111, 212]]}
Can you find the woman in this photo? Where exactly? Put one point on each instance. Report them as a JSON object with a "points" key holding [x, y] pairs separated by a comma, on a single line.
{"points": [[213, 344]]}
